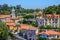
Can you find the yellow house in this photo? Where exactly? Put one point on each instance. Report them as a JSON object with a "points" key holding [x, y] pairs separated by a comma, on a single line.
{"points": [[12, 26]]}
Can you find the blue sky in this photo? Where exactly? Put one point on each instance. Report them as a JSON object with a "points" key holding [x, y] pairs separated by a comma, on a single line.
{"points": [[31, 3]]}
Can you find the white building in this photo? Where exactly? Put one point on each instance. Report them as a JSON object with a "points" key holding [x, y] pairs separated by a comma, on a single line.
{"points": [[49, 19]]}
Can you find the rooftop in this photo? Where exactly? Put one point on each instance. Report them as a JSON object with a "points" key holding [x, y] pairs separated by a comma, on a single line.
{"points": [[5, 16], [27, 27], [50, 32]]}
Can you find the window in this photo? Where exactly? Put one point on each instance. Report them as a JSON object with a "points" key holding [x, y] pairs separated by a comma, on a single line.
{"points": [[33, 39], [44, 36], [30, 39]]}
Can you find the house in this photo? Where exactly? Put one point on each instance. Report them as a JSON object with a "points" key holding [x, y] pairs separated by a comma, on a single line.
{"points": [[29, 27], [17, 18], [5, 17], [38, 13], [31, 35], [13, 27], [40, 21], [26, 29], [12, 21], [49, 34], [52, 19], [49, 19]]}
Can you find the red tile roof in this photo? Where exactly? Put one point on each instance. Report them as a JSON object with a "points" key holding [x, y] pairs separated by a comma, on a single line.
{"points": [[50, 32], [27, 27], [10, 24], [53, 15], [19, 16], [5, 16]]}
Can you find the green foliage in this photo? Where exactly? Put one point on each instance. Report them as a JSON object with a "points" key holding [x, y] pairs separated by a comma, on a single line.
{"points": [[52, 9], [41, 27], [23, 21], [5, 9], [41, 38], [3, 30], [59, 29], [35, 24], [46, 27], [27, 16]]}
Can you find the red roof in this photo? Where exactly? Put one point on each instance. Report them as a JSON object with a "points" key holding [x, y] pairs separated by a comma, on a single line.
{"points": [[27, 27], [50, 32], [10, 24], [51, 15], [5, 16]]}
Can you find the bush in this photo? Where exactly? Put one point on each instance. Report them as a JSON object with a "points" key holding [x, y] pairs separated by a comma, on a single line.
{"points": [[41, 38], [34, 24], [46, 27]]}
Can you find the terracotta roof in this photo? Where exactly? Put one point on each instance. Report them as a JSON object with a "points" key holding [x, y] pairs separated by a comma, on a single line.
{"points": [[56, 15], [5, 16], [48, 15], [10, 24], [27, 27], [19, 16], [50, 32], [38, 13], [53, 15]]}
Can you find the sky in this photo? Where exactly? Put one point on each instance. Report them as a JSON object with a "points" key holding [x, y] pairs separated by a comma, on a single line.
{"points": [[31, 3]]}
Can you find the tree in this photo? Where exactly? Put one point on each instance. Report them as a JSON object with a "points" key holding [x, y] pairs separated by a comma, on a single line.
{"points": [[3, 31], [37, 10], [35, 24], [27, 16], [51, 9], [18, 6]]}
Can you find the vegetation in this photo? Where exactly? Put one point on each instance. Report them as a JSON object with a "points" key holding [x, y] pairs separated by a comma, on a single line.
{"points": [[3, 31], [41, 38], [27, 16], [5, 9], [52, 9], [46, 27], [35, 24]]}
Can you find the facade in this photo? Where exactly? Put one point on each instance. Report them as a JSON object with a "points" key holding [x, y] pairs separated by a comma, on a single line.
{"points": [[31, 35], [52, 19], [28, 32], [49, 34], [49, 19], [5, 17], [40, 21]]}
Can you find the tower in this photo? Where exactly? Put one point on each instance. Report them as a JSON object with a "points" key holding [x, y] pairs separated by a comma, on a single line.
{"points": [[13, 13]]}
